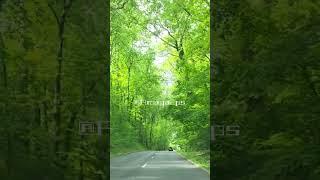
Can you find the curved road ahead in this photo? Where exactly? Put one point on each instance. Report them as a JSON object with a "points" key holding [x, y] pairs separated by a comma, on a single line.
{"points": [[158, 165]]}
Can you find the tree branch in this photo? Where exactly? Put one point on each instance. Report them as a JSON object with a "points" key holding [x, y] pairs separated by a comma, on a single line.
{"points": [[166, 42], [164, 27], [67, 6], [54, 13], [120, 7], [186, 11]]}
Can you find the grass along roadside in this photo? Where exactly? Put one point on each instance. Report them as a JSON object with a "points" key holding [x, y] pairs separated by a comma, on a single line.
{"points": [[201, 159]]}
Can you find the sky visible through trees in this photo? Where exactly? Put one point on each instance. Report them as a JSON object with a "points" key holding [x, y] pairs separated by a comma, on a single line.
{"points": [[162, 54]]}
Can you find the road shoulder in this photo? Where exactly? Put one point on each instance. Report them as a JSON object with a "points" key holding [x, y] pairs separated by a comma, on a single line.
{"points": [[192, 161]]}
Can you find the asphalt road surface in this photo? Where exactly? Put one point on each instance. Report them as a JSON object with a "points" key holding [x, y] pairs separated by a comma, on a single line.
{"points": [[158, 165]]}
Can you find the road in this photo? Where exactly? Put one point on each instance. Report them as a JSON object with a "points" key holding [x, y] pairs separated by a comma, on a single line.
{"points": [[158, 165]]}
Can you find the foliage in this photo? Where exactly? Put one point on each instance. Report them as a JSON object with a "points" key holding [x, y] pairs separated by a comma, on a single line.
{"points": [[266, 80], [53, 76], [159, 54]]}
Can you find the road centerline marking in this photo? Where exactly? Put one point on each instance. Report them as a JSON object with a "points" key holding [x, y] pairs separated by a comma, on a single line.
{"points": [[143, 166]]}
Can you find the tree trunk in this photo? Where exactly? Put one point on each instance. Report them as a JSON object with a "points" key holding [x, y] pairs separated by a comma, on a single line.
{"points": [[44, 120], [81, 173], [9, 153], [61, 21], [128, 95], [151, 129], [3, 64], [5, 88]]}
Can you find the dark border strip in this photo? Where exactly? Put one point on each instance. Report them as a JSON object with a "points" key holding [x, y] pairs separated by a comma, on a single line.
{"points": [[211, 84], [108, 62]]}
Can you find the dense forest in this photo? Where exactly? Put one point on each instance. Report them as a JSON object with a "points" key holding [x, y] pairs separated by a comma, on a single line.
{"points": [[160, 77], [266, 80], [53, 75]]}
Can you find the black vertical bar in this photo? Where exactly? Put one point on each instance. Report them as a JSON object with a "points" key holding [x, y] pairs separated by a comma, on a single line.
{"points": [[211, 84], [108, 59]]}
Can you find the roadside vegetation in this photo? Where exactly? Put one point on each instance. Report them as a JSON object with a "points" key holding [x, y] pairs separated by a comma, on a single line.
{"points": [[266, 80], [53, 59], [160, 52]]}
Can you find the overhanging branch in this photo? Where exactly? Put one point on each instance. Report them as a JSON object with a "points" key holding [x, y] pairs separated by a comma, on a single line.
{"points": [[54, 12]]}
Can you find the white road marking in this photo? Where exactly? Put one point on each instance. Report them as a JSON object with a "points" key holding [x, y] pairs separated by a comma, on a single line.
{"points": [[144, 165]]}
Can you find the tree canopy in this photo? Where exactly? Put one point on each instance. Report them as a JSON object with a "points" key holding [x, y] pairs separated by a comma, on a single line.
{"points": [[266, 80]]}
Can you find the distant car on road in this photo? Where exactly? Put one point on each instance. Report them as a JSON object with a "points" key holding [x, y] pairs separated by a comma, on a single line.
{"points": [[170, 149]]}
